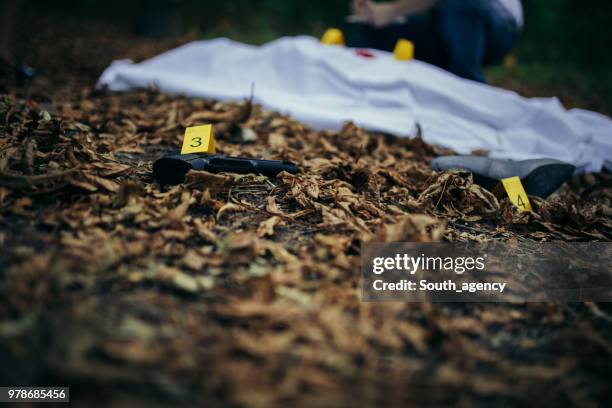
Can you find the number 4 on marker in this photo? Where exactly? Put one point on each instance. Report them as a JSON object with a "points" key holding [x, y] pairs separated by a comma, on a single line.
{"points": [[199, 139], [519, 202], [516, 192]]}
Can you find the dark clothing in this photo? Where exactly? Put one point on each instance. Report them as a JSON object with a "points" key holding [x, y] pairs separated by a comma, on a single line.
{"points": [[457, 35]]}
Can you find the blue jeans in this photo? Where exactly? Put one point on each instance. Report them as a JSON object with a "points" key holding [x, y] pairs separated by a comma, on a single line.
{"points": [[457, 35]]}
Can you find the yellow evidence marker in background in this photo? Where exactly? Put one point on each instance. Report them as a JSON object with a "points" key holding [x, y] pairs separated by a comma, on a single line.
{"points": [[333, 36], [516, 193], [199, 139], [404, 50]]}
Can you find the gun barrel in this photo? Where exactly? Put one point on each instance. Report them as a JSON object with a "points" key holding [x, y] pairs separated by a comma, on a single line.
{"points": [[172, 169]]}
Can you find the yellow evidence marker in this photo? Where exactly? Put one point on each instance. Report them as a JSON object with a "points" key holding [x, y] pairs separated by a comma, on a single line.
{"points": [[333, 36], [199, 139], [516, 192], [404, 50]]}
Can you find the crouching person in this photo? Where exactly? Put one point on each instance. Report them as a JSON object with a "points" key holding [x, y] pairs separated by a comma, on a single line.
{"points": [[457, 35]]}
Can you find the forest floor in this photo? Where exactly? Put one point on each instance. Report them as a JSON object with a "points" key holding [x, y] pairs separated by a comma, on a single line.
{"points": [[242, 290]]}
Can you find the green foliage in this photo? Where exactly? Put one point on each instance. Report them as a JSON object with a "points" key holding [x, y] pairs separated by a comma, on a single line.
{"points": [[570, 37], [560, 31], [567, 43], [568, 32]]}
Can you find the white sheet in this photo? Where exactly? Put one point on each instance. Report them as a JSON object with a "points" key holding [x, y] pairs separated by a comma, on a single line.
{"points": [[325, 86]]}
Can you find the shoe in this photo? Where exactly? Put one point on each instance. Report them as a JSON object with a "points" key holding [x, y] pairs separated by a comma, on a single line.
{"points": [[540, 177]]}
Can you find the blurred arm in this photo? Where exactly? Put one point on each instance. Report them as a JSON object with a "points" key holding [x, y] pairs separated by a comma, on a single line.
{"points": [[382, 14]]}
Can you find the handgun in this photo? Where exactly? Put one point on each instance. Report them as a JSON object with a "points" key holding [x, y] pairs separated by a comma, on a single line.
{"points": [[172, 169]]}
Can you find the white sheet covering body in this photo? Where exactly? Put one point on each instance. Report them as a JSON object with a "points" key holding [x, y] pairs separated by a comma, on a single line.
{"points": [[325, 86]]}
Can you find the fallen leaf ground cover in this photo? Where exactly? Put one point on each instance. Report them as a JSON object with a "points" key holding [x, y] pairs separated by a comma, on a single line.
{"points": [[244, 290]]}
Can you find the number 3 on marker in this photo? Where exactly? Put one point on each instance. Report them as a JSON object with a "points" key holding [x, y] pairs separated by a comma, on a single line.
{"points": [[196, 142]]}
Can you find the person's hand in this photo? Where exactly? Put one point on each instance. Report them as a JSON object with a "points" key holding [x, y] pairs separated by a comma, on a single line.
{"points": [[377, 14]]}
